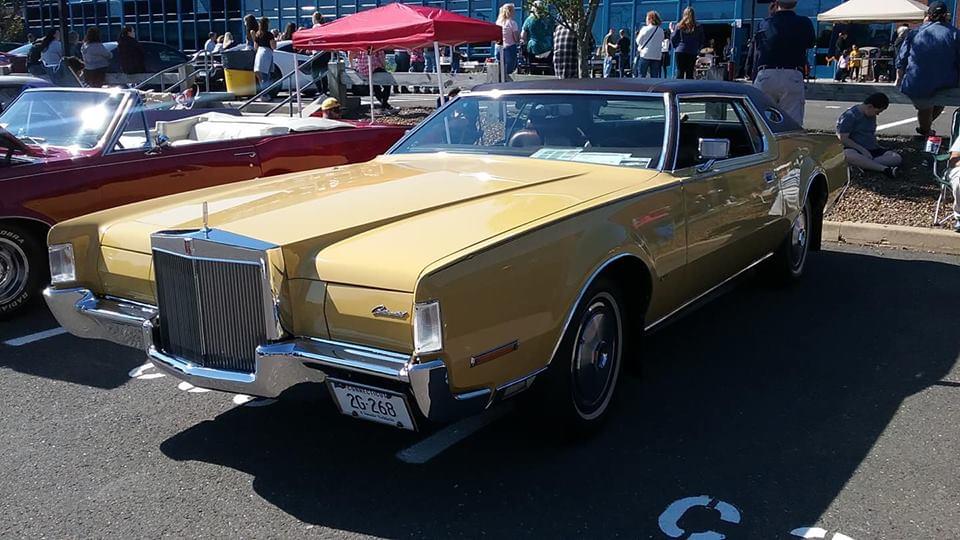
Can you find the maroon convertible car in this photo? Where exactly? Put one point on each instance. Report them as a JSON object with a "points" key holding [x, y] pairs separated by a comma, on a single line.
{"points": [[69, 152]]}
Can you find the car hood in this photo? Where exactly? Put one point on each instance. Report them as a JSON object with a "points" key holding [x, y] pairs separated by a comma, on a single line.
{"points": [[379, 223]]}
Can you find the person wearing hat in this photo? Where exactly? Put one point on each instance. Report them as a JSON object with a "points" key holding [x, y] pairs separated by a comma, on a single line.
{"points": [[330, 108], [929, 61], [780, 56]]}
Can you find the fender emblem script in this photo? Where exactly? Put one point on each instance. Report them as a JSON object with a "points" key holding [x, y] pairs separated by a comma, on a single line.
{"points": [[382, 311]]}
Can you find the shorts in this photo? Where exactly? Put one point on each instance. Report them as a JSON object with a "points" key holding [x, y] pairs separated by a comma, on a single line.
{"points": [[930, 102]]}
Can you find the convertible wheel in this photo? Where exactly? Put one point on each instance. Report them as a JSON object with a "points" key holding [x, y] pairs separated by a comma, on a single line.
{"points": [[582, 379], [789, 261], [22, 268]]}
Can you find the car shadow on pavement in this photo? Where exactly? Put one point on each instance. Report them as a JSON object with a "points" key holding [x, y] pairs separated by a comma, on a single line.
{"points": [[767, 399]]}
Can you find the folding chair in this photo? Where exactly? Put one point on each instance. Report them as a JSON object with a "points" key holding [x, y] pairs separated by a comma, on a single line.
{"points": [[943, 178]]}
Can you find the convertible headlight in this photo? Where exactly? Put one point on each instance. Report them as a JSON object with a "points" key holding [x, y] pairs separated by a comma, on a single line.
{"points": [[63, 268], [427, 328]]}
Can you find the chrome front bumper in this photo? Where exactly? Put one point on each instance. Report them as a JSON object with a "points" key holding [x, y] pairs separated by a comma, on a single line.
{"points": [[279, 365]]}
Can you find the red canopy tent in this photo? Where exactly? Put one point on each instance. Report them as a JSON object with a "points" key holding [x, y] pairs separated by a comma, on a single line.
{"points": [[397, 26]]}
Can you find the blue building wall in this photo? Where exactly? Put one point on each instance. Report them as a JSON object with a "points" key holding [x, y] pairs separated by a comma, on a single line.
{"points": [[186, 23]]}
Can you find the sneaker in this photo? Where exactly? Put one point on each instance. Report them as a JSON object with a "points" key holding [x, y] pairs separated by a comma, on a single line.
{"points": [[891, 172]]}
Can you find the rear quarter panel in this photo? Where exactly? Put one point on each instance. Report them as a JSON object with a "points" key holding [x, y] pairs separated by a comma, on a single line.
{"points": [[805, 156]]}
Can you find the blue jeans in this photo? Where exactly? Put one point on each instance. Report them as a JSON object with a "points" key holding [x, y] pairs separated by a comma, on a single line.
{"points": [[264, 81], [650, 68], [510, 58], [607, 66]]}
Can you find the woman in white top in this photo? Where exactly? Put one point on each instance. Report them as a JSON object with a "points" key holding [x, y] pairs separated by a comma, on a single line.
{"points": [[96, 58], [52, 52], [511, 38], [650, 48]]}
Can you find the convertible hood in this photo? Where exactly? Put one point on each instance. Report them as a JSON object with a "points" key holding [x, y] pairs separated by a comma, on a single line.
{"points": [[308, 212]]}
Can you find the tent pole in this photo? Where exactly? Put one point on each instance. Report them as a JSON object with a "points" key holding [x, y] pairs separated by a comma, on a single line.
{"points": [[503, 67], [296, 76], [370, 75], [436, 52]]}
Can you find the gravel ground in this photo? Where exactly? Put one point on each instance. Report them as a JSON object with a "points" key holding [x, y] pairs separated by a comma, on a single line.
{"points": [[872, 197], [908, 200]]}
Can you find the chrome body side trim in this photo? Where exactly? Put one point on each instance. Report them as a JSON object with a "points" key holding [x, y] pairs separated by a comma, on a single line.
{"points": [[279, 365], [687, 304]]}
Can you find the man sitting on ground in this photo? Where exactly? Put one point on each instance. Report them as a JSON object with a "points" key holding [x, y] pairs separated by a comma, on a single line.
{"points": [[857, 130]]}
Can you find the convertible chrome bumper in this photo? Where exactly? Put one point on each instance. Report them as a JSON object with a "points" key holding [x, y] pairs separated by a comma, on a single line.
{"points": [[279, 365]]}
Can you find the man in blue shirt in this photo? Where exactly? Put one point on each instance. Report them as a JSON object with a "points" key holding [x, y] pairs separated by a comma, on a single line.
{"points": [[928, 62], [857, 131], [780, 56]]}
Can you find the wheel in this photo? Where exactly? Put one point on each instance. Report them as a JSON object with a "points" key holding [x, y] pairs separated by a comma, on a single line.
{"points": [[790, 259], [581, 382], [22, 268]]}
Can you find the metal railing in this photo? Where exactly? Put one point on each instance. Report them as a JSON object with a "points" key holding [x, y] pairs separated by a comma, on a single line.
{"points": [[276, 84], [207, 66]]}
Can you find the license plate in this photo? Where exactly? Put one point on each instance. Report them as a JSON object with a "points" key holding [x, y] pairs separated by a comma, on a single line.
{"points": [[369, 403]]}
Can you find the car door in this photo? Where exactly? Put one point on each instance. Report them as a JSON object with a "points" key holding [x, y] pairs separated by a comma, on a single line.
{"points": [[732, 204], [141, 170]]}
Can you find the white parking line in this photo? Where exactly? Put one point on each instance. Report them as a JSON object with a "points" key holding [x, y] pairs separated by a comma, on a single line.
{"points": [[435, 444], [23, 340], [895, 124]]}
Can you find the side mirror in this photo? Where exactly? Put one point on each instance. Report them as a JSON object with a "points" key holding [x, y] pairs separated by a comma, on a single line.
{"points": [[714, 149]]}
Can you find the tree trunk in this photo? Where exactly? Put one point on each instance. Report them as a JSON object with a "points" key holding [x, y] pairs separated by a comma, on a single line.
{"points": [[584, 52]]}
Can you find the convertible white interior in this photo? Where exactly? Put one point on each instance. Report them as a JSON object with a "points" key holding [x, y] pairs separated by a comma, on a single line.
{"points": [[214, 126]]}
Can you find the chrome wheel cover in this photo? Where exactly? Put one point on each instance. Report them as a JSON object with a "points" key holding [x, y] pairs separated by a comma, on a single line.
{"points": [[14, 271], [596, 357], [799, 239]]}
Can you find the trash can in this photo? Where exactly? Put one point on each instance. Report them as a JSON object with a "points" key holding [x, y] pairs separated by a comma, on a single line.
{"points": [[238, 72]]}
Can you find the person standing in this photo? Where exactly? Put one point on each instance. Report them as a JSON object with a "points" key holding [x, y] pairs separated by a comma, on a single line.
{"points": [[623, 52], [665, 50], [364, 64], [780, 57], [840, 45], [687, 38], [536, 35], [73, 45], [211, 42], [288, 31], [96, 58], [511, 38], [250, 29], [130, 52], [649, 47], [929, 62], [566, 61], [52, 52], [609, 47], [265, 43]]}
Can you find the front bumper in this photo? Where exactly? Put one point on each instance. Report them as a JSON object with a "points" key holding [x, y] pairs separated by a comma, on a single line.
{"points": [[279, 365]]}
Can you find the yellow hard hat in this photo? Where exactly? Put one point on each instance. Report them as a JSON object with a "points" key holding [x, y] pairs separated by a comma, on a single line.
{"points": [[330, 103]]}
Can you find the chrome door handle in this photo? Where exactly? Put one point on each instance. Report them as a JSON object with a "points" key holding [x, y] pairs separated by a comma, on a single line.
{"points": [[246, 154]]}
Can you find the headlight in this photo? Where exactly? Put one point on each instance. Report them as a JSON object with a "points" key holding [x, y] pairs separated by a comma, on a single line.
{"points": [[427, 328], [63, 268]]}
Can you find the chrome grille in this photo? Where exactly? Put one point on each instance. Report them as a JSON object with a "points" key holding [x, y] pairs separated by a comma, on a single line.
{"points": [[211, 311]]}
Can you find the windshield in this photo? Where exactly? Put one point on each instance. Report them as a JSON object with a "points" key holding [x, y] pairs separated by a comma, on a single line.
{"points": [[57, 118], [624, 131]]}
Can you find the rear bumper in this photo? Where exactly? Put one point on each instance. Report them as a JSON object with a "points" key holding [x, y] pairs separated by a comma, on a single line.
{"points": [[279, 365]]}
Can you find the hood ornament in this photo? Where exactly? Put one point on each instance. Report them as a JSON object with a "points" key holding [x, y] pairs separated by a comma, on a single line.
{"points": [[382, 311], [206, 220]]}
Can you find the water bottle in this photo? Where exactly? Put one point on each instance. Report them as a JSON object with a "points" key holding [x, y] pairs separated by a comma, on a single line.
{"points": [[933, 144]]}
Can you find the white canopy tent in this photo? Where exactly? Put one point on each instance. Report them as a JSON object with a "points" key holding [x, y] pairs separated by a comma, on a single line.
{"points": [[875, 11]]}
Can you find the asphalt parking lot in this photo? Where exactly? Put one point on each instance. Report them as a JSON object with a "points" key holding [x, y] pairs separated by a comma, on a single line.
{"points": [[824, 410]]}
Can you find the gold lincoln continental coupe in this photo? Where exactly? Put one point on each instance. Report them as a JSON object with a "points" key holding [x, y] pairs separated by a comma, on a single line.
{"points": [[522, 237]]}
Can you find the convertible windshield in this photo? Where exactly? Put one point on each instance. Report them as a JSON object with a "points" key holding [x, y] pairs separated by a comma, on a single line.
{"points": [[626, 131], [58, 118]]}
